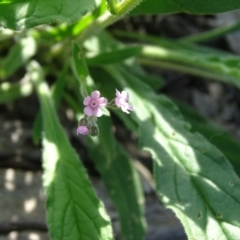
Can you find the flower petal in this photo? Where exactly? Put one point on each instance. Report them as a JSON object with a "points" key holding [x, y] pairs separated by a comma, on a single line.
{"points": [[117, 102], [118, 94], [124, 109], [95, 95], [124, 95], [102, 101], [129, 106], [97, 112], [86, 100], [88, 111]]}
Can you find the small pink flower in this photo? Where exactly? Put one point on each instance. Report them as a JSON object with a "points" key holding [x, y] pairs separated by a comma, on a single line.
{"points": [[122, 101], [82, 130], [94, 103]]}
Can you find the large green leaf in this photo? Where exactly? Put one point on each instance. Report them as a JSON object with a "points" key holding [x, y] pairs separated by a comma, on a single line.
{"points": [[19, 15], [119, 176], [189, 6], [192, 177], [215, 134], [73, 210], [113, 163], [121, 180]]}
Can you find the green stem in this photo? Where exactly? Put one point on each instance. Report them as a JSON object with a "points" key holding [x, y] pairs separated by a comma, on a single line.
{"points": [[184, 62], [182, 68], [107, 19], [212, 34]]}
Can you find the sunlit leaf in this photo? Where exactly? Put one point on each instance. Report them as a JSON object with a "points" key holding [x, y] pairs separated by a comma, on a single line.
{"points": [[73, 210], [18, 55], [193, 177], [189, 58], [118, 55], [18, 15], [13, 91], [118, 174], [121, 180], [56, 92], [215, 134]]}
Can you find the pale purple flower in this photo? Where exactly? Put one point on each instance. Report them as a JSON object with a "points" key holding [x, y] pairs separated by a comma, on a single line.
{"points": [[122, 101], [82, 130], [94, 103]]}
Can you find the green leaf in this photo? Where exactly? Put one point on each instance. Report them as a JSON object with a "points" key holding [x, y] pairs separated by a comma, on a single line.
{"points": [[212, 34], [154, 81], [189, 58], [73, 209], [56, 92], [80, 65], [188, 6], [121, 181], [193, 178], [118, 55], [213, 133], [112, 6], [13, 91], [103, 42], [18, 55], [119, 176], [114, 165], [19, 15]]}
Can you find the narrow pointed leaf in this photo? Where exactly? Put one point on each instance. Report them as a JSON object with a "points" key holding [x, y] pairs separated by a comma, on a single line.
{"points": [[115, 56], [121, 180], [189, 58], [80, 65], [56, 92], [73, 210], [119, 176]]}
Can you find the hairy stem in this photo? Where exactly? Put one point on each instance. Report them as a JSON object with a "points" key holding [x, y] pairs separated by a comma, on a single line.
{"points": [[107, 19]]}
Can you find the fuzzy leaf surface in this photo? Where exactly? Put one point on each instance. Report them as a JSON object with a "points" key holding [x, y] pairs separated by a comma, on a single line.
{"points": [[23, 14], [215, 134], [73, 209], [193, 177], [188, 6], [121, 180]]}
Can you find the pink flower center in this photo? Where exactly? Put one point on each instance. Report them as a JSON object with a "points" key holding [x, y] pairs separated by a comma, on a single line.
{"points": [[93, 104], [122, 101]]}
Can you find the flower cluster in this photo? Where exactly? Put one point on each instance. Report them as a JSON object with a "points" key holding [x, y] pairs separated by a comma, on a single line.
{"points": [[93, 109]]}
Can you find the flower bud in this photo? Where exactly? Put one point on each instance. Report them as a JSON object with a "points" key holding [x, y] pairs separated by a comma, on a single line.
{"points": [[93, 131], [83, 122], [82, 130]]}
